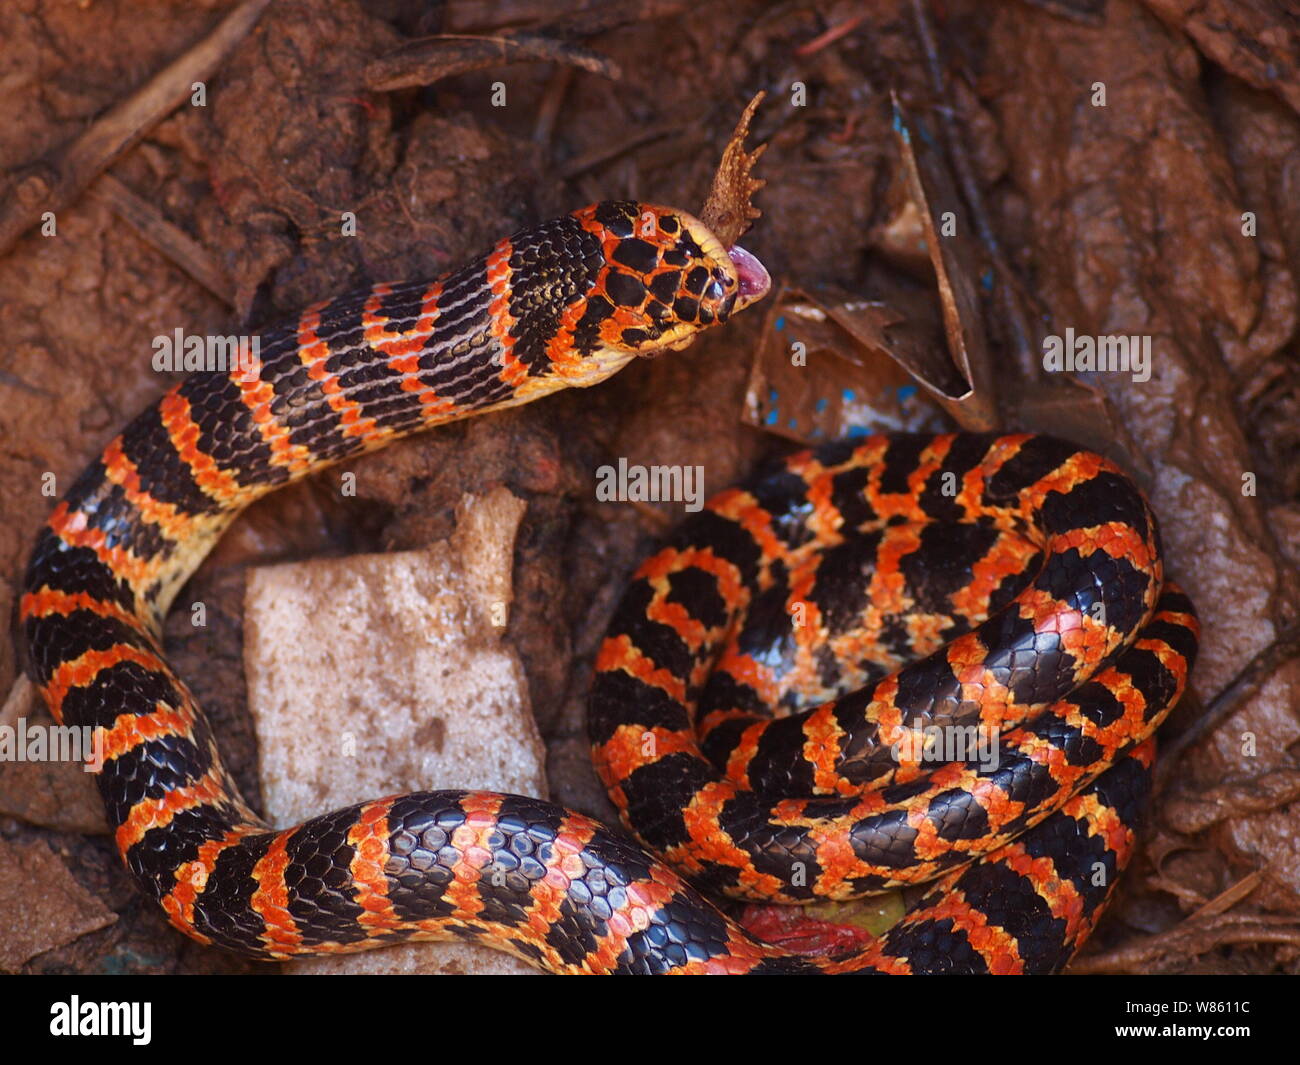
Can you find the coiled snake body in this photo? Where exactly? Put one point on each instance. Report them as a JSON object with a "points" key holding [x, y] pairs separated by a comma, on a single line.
{"points": [[1023, 572]]}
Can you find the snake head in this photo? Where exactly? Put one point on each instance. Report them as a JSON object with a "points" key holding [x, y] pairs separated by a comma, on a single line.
{"points": [[665, 278]]}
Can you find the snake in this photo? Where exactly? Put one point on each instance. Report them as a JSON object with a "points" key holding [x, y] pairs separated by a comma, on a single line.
{"points": [[930, 662]]}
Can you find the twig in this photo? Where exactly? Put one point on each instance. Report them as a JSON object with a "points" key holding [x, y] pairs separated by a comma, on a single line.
{"points": [[548, 110], [823, 40], [1191, 938], [1225, 900], [14, 381], [434, 58], [606, 152], [156, 231], [1228, 701], [1084, 12], [422, 62], [1012, 295]]}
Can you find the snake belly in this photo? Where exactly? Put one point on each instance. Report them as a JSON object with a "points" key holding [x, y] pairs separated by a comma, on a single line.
{"points": [[1047, 621]]}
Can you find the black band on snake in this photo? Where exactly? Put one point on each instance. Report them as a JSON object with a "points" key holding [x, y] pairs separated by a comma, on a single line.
{"points": [[762, 702]]}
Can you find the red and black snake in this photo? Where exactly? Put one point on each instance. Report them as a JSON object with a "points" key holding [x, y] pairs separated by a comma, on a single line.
{"points": [[1024, 572]]}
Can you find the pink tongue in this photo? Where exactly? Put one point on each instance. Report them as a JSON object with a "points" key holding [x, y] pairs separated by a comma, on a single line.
{"points": [[754, 279]]}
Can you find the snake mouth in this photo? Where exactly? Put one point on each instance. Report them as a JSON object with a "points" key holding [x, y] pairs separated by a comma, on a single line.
{"points": [[755, 281]]}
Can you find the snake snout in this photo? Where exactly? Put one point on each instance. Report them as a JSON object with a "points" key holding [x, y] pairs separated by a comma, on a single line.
{"points": [[755, 281]]}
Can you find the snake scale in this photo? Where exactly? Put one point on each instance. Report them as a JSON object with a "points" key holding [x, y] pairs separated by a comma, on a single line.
{"points": [[762, 703]]}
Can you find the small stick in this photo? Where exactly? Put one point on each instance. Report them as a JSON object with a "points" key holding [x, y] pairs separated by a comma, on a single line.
{"points": [[1228, 701], [1189, 940], [549, 108], [605, 152], [830, 36], [1011, 292], [429, 59], [434, 58], [173, 242]]}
